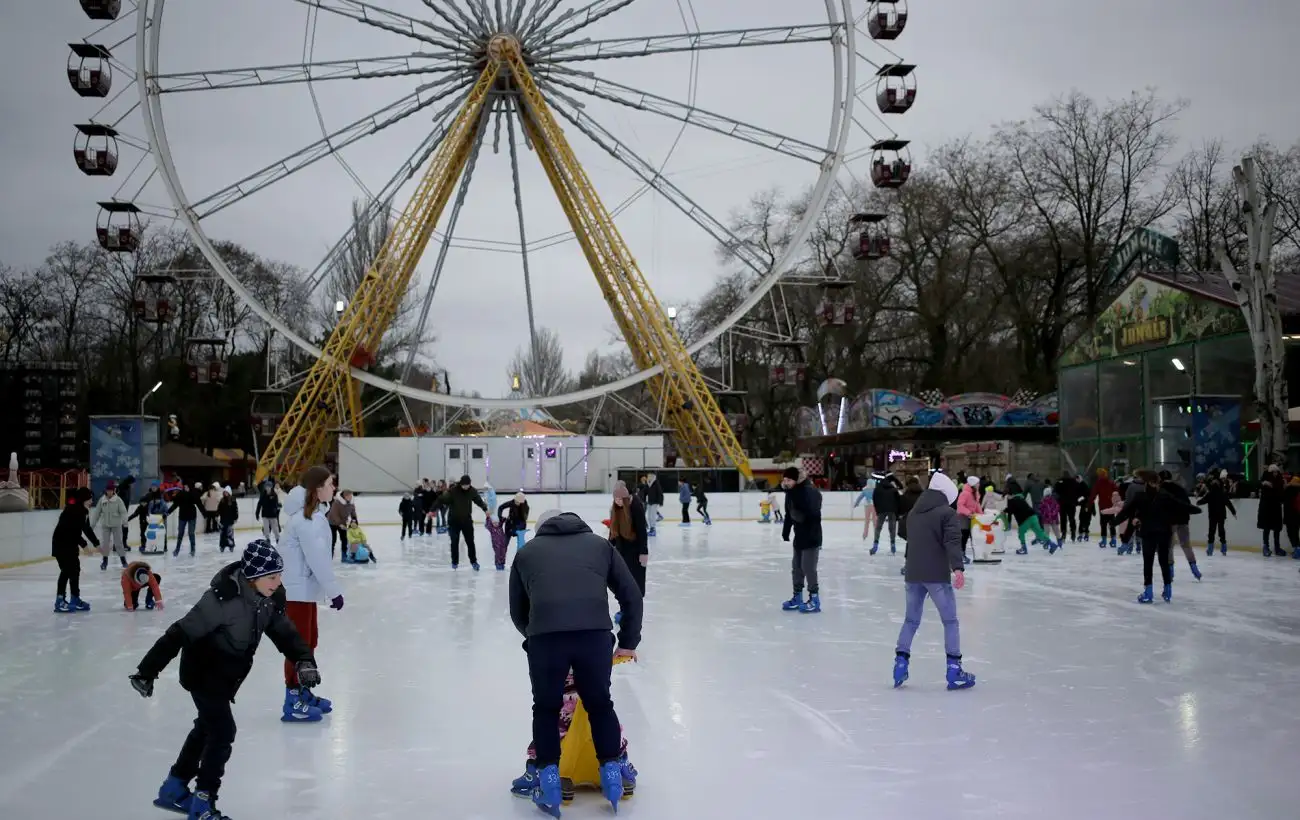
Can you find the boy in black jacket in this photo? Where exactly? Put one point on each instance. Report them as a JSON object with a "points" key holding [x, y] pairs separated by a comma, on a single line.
{"points": [[268, 510], [1156, 511], [216, 641], [70, 535], [803, 514]]}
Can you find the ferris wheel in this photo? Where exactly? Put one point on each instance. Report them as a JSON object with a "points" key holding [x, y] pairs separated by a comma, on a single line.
{"points": [[529, 69]]}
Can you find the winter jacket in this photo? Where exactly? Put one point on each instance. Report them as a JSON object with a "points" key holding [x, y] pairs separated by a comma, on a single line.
{"points": [[1049, 510], [684, 493], [1269, 516], [934, 546], [109, 512], [187, 503], [305, 547], [1181, 517], [228, 512], [72, 531], [342, 513], [1155, 509], [905, 504], [968, 502], [268, 502], [515, 517], [640, 544], [1102, 489], [490, 497], [1216, 502], [1034, 489], [654, 494], [150, 504], [886, 496], [458, 501], [1132, 490], [561, 583], [1069, 493], [406, 509], [803, 515], [1012, 487], [1291, 504], [1019, 509], [211, 501], [219, 636], [700, 497]]}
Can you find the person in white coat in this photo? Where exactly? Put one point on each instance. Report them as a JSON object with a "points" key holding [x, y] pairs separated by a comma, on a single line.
{"points": [[109, 517], [308, 579]]}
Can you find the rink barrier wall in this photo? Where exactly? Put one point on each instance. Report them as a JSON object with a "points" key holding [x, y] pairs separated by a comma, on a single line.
{"points": [[25, 536]]}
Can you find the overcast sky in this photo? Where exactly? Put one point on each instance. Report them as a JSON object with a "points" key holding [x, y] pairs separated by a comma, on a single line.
{"points": [[979, 63]]}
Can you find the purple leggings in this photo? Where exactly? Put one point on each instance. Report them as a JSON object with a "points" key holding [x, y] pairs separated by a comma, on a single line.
{"points": [[945, 601]]}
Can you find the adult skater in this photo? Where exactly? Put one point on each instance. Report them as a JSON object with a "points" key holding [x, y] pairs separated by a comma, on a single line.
{"points": [[885, 499], [1155, 510], [308, 579], [268, 510], [1103, 489], [514, 518], [1269, 517], [628, 533], [1034, 487], [803, 516], [869, 511], [559, 602], [458, 501], [702, 503], [684, 496], [1069, 491], [70, 535], [216, 641], [185, 503], [1217, 504], [1181, 520], [109, 518], [342, 514], [933, 568], [211, 501], [654, 499], [125, 488]]}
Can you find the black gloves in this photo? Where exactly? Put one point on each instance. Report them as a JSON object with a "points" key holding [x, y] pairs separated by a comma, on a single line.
{"points": [[308, 676], [337, 603], [142, 685]]}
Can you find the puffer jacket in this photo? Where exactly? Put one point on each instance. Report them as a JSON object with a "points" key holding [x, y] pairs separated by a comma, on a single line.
{"points": [[219, 636], [268, 501], [934, 544], [459, 502], [72, 530], [305, 548], [211, 500], [109, 512], [968, 502], [342, 513]]}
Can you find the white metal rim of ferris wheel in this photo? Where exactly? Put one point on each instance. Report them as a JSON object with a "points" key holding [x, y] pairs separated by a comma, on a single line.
{"points": [[843, 48]]}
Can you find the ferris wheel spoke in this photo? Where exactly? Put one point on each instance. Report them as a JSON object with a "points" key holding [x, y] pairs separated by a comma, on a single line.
{"points": [[625, 95], [371, 15], [523, 234], [575, 20], [538, 14], [572, 111], [359, 69], [462, 24], [692, 41], [420, 99]]}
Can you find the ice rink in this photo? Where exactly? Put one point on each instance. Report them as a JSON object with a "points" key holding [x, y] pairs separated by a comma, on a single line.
{"points": [[1088, 705]]}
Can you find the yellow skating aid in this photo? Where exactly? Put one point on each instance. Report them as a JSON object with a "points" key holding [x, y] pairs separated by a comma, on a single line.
{"points": [[579, 767]]}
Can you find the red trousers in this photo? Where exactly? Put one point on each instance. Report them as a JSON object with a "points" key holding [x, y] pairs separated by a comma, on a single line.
{"points": [[303, 616]]}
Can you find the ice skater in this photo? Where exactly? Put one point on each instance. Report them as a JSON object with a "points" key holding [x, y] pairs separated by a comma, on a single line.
{"points": [[968, 507], [1217, 504], [459, 501], [654, 500], [803, 516], [514, 518], [869, 511], [1027, 521], [1102, 491], [71, 533], [1269, 517], [137, 576], [109, 518], [885, 498], [1049, 514], [227, 516], [268, 510], [1181, 520], [702, 504], [684, 496], [1155, 510], [216, 641], [410, 518], [933, 568]]}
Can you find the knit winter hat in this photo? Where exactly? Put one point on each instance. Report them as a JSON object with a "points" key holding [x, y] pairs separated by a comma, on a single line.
{"points": [[544, 516], [260, 558], [944, 484], [791, 473], [465, 481], [621, 491], [973, 481]]}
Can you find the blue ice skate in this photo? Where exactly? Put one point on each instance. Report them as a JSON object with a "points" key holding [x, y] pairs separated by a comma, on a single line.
{"points": [[1112, 542], [325, 705], [61, 604], [75, 604], [203, 807], [1171, 571], [1146, 597], [475, 566], [1054, 546], [547, 794], [874, 549], [1223, 548], [523, 785], [958, 678], [173, 795], [892, 548], [1209, 550], [1196, 572], [900, 669], [1268, 553], [629, 776], [297, 710], [611, 782], [1168, 593], [1022, 551], [1296, 553], [650, 533], [813, 604], [794, 604]]}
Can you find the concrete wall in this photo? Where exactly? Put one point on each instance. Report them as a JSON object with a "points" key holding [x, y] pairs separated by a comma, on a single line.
{"points": [[25, 537]]}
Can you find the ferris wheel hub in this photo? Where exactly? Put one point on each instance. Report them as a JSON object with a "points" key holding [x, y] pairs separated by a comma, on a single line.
{"points": [[502, 46]]}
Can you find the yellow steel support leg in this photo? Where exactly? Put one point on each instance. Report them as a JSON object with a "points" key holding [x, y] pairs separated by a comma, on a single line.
{"points": [[303, 436], [703, 436]]}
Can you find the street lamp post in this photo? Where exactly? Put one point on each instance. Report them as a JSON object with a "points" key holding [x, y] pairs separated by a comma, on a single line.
{"points": [[152, 390]]}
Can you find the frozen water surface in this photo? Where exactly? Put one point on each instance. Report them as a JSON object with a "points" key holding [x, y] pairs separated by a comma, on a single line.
{"points": [[1088, 705]]}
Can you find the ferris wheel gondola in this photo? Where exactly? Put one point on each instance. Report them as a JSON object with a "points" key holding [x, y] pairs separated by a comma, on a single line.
{"points": [[118, 228], [206, 359], [102, 9], [95, 149], [886, 19], [89, 71]]}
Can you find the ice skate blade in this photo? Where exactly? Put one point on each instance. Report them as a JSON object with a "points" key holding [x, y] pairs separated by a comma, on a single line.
{"points": [[169, 806], [956, 685]]}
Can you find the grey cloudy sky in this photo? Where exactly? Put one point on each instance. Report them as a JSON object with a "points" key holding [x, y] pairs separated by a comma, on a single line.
{"points": [[979, 63]]}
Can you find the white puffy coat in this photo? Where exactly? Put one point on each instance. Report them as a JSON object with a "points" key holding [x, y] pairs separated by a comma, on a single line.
{"points": [[305, 548], [109, 513]]}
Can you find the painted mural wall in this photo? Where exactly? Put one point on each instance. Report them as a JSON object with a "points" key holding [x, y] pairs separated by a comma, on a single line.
{"points": [[891, 408]]}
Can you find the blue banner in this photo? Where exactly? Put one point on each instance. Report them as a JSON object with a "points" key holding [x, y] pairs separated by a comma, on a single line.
{"points": [[1216, 435], [116, 450]]}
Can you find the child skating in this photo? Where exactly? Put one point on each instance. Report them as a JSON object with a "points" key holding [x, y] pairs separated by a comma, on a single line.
{"points": [[933, 568], [70, 535], [1027, 521], [137, 576], [216, 641], [1049, 515]]}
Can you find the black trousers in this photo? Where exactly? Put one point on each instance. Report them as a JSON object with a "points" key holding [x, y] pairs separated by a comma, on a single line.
{"points": [[408, 527], [628, 552], [1293, 532], [207, 747], [1216, 525], [1156, 546], [456, 529], [335, 534], [1277, 536], [686, 513], [1069, 523], [590, 655], [69, 574], [1108, 526]]}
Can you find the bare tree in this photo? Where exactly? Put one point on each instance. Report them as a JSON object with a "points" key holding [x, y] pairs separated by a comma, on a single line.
{"points": [[541, 370], [1255, 287], [1206, 216]]}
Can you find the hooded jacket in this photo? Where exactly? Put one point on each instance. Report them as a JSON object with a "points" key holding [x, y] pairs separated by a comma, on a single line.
{"points": [[459, 502], [515, 516], [219, 636], [934, 542], [268, 501], [305, 547], [109, 512], [803, 515], [968, 502], [561, 583], [1155, 509], [886, 496], [911, 494], [72, 530]]}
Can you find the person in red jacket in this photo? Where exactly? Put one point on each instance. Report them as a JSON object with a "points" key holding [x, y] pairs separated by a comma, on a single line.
{"points": [[136, 576], [1102, 489]]}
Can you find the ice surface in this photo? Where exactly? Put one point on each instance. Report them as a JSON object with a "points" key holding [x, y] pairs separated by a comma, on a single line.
{"points": [[1088, 705]]}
